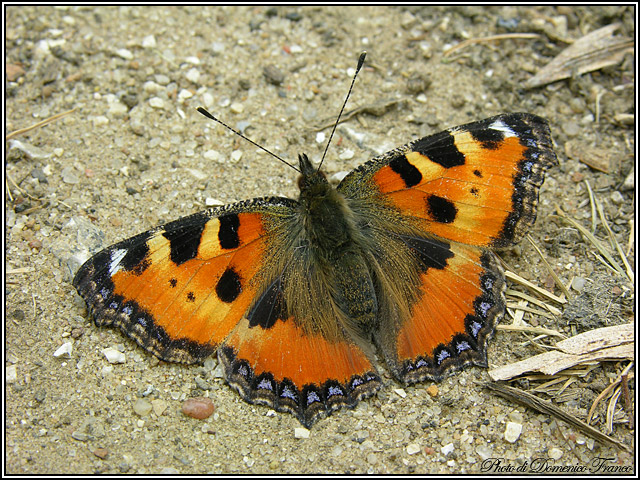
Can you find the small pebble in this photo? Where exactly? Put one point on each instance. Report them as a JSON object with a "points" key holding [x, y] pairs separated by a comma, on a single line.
{"points": [[447, 449], [217, 48], [156, 102], [142, 407], [184, 95], [69, 176], [400, 392], [236, 155], [578, 283], [629, 181], [80, 436], [65, 349], [124, 53], [152, 87], [413, 448], [273, 74], [11, 374], [301, 433], [100, 121], [617, 198], [101, 453], [113, 355], [159, 406], [149, 42], [236, 107], [346, 155], [512, 432], [432, 391], [193, 75], [198, 407], [484, 452], [30, 150], [213, 155], [117, 109], [555, 453]]}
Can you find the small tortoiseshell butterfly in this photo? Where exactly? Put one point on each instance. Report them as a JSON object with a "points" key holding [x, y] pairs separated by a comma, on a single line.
{"points": [[294, 294]]}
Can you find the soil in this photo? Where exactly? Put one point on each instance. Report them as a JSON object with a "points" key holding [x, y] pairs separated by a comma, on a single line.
{"points": [[135, 153]]}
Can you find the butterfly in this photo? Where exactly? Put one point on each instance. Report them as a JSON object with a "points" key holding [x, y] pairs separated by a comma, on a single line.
{"points": [[297, 297]]}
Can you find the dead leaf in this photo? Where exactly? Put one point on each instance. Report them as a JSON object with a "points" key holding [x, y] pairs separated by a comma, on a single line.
{"points": [[600, 344], [596, 50]]}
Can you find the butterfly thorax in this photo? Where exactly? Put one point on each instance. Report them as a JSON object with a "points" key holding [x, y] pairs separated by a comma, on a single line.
{"points": [[332, 238]]}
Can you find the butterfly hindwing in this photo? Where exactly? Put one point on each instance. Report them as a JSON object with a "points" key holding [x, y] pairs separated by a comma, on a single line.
{"points": [[460, 297]]}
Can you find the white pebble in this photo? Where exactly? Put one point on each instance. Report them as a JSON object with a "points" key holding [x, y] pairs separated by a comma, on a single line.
{"points": [[65, 349], [207, 99], [400, 392], [100, 120], [346, 155], [555, 453], [217, 47], [236, 155], [212, 202], [301, 433], [197, 173], [151, 87], [512, 432], [236, 107], [117, 109], [617, 198], [447, 449], [213, 155], [124, 53], [421, 98], [113, 355], [184, 94], [413, 448], [11, 374], [156, 102], [193, 75], [320, 137], [149, 41]]}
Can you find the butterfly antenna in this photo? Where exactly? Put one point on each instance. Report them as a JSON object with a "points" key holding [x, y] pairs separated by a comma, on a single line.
{"points": [[208, 115], [360, 63]]}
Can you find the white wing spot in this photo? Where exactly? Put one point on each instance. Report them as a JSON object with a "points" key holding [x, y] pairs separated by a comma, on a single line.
{"points": [[501, 127], [116, 258]]}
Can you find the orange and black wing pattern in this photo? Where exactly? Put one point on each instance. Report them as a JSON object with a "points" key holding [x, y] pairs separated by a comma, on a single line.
{"points": [[202, 284], [445, 199]]}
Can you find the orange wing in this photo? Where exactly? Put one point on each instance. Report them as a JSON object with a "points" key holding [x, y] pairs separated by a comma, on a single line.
{"points": [[460, 297], [475, 184], [201, 284], [439, 201]]}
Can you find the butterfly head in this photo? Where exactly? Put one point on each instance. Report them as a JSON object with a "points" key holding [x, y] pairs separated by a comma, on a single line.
{"points": [[312, 181]]}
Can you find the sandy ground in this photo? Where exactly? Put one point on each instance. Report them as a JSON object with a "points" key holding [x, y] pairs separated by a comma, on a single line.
{"points": [[135, 153]]}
